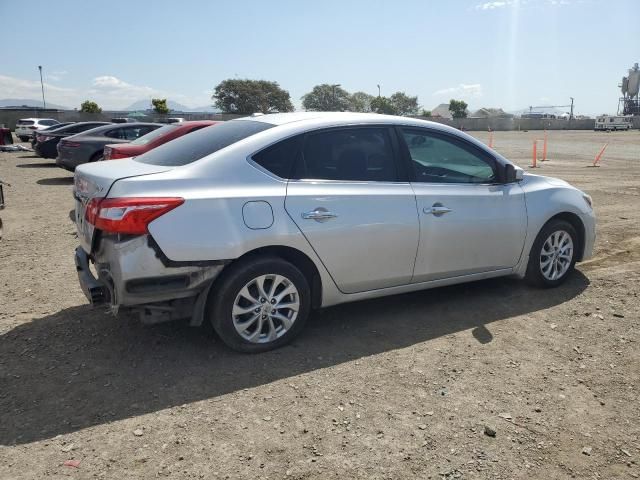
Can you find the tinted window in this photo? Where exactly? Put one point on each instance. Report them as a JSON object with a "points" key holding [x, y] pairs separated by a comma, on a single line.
{"points": [[48, 122], [149, 137], [360, 154], [278, 159], [438, 159], [131, 133], [196, 145], [84, 127], [24, 122], [115, 133]]}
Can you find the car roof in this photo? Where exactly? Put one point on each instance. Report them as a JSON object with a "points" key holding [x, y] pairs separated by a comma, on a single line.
{"points": [[108, 126], [36, 119], [320, 119]]}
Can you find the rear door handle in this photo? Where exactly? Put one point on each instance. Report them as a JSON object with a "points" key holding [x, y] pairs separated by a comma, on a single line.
{"points": [[437, 210], [319, 214]]}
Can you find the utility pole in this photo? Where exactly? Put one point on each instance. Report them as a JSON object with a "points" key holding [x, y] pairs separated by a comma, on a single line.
{"points": [[44, 104], [571, 112]]}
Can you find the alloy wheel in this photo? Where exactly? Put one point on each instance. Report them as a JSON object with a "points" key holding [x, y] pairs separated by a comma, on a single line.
{"points": [[556, 255], [265, 308]]}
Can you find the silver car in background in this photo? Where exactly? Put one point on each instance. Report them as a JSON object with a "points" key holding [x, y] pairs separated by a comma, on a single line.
{"points": [[252, 223]]}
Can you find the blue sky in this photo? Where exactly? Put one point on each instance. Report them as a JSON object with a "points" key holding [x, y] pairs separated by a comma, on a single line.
{"points": [[502, 53]]}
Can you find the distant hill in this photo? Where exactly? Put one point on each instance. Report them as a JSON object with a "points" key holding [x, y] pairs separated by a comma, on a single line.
{"points": [[146, 104], [20, 102]]}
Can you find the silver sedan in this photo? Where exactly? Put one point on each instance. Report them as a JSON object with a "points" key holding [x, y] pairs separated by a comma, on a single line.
{"points": [[252, 223]]}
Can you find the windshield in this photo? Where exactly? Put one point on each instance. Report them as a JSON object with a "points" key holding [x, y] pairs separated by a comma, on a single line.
{"points": [[150, 137], [201, 143]]}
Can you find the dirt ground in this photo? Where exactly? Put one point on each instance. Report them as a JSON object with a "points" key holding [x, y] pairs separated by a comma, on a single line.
{"points": [[395, 388]]}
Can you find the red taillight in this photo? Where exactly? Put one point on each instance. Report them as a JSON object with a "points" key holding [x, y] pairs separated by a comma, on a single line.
{"points": [[128, 215], [32, 128], [66, 143]]}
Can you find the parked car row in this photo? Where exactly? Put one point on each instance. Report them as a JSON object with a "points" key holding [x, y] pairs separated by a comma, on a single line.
{"points": [[75, 143]]}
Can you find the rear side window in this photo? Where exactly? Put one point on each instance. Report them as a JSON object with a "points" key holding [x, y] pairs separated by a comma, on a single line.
{"points": [[352, 154], [196, 145], [115, 133], [48, 122], [85, 127], [153, 135], [131, 133], [278, 159]]}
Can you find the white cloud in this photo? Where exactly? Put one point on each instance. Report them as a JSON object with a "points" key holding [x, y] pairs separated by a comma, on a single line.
{"points": [[493, 5], [108, 91], [56, 75], [12, 87], [463, 90]]}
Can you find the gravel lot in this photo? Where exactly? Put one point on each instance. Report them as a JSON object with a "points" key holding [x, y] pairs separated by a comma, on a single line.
{"points": [[396, 388]]}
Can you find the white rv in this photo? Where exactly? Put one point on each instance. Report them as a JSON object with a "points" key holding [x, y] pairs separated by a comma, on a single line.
{"points": [[613, 122]]}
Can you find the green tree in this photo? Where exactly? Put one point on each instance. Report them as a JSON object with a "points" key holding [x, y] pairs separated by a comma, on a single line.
{"points": [[327, 98], [383, 105], [90, 107], [160, 105], [404, 104], [458, 108], [425, 113], [360, 102], [246, 96]]}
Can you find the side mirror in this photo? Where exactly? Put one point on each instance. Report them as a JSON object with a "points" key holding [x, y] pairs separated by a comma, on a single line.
{"points": [[512, 173]]}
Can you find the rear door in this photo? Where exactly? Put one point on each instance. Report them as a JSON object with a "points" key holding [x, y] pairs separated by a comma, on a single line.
{"points": [[350, 200], [470, 222]]}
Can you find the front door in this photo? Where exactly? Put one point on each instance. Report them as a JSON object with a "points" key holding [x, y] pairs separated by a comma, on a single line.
{"points": [[347, 200], [470, 222]]}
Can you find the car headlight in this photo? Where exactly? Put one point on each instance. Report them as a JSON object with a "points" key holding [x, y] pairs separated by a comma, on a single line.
{"points": [[588, 200]]}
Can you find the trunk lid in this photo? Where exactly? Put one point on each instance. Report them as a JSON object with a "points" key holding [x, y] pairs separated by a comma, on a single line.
{"points": [[94, 181]]}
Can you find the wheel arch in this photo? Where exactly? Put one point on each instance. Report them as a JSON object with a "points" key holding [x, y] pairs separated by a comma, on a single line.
{"points": [[297, 258]]}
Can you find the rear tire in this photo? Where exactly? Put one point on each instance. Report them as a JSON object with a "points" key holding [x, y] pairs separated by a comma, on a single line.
{"points": [[553, 254], [259, 304], [24, 139]]}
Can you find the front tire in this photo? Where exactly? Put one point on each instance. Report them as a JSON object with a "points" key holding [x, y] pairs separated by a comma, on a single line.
{"points": [[553, 254], [259, 304]]}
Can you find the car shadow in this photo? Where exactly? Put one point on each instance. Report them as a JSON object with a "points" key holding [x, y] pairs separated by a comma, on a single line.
{"points": [[82, 367], [55, 181], [37, 165]]}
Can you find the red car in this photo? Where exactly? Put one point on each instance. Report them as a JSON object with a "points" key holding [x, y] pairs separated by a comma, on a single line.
{"points": [[153, 139]]}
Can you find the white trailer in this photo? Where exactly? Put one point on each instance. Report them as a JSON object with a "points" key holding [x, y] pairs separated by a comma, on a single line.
{"points": [[613, 122]]}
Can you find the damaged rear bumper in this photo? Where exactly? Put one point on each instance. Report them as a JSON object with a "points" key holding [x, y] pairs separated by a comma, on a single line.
{"points": [[130, 273]]}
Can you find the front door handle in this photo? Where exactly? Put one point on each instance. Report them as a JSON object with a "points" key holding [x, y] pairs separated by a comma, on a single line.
{"points": [[320, 214], [437, 210]]}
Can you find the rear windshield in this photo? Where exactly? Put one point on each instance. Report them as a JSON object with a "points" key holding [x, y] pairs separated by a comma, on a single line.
{"points": [[201, 143], [149, 137], [24, 122]]}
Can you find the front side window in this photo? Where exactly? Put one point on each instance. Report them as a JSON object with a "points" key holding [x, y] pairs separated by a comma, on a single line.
{"points": [[438, 159], [350, 154]]}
